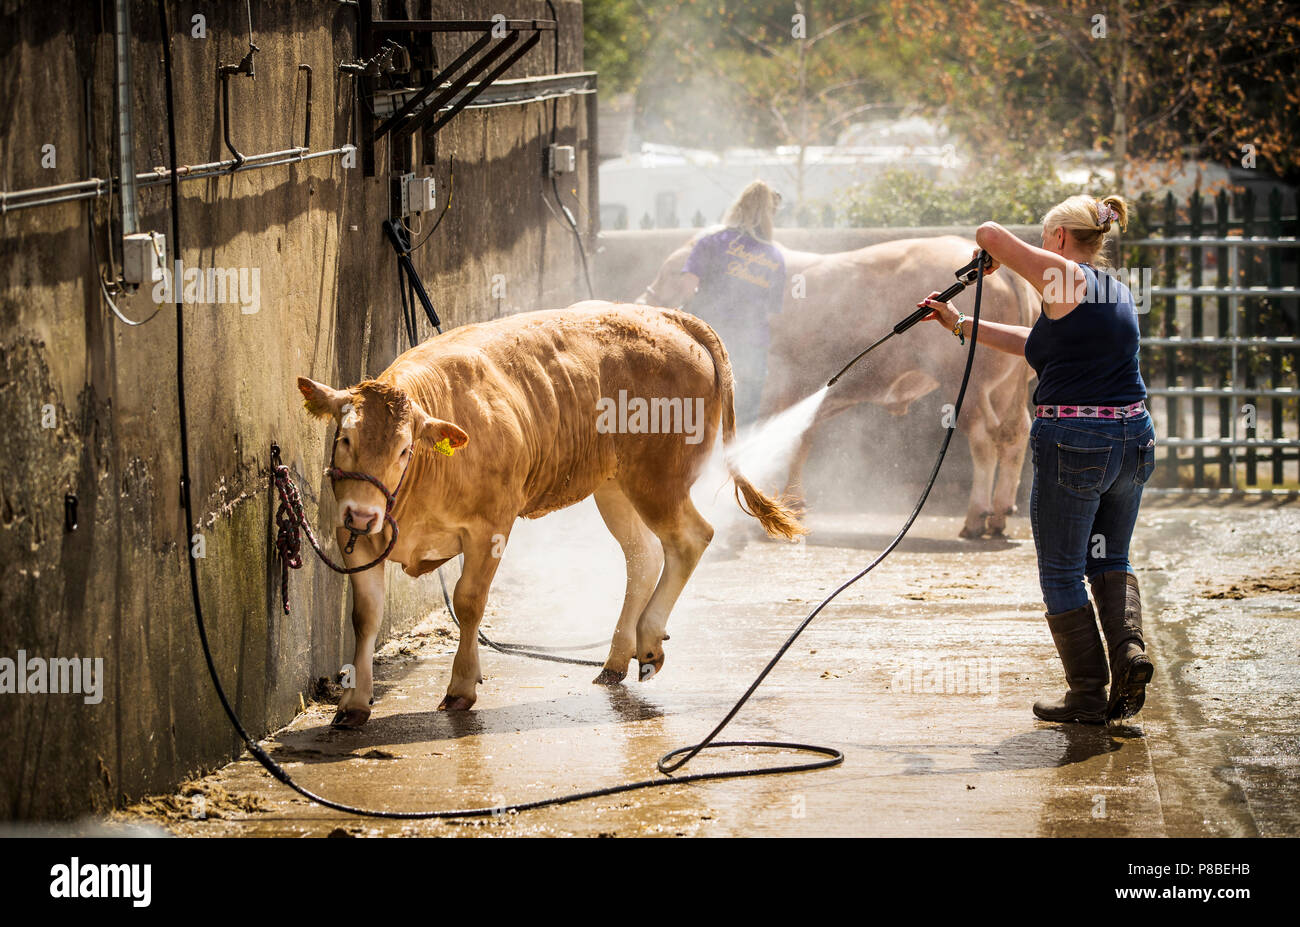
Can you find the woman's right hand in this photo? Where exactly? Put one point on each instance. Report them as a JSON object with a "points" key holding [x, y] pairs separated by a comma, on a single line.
{"points": [[992, 264], [943, 313]]}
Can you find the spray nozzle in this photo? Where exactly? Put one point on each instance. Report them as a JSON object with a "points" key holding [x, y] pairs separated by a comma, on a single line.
{"points": [[967, 275]]}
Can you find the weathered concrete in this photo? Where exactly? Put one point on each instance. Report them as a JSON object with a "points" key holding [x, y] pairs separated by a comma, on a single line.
{"points": [[1214, 753], [116, 587]]}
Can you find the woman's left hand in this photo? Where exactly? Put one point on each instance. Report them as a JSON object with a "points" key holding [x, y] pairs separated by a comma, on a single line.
{"points": [[943, 313]]}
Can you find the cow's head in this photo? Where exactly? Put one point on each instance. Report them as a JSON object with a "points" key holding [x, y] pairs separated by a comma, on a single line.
{"points": [[379, 428]]}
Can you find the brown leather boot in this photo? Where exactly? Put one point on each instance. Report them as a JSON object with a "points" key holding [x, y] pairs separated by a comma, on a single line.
{"points": [[1084, 659], [1120, 606]]}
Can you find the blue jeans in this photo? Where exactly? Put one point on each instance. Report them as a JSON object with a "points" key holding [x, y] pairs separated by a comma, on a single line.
{"points": [[1088, 477]]}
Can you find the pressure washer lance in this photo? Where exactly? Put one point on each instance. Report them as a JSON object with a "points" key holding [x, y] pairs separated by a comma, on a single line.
{"points": [[965, 277]]}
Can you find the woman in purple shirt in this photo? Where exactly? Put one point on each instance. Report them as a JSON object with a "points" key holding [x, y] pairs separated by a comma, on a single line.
{"points": [[740, 279], [1093, 448]]}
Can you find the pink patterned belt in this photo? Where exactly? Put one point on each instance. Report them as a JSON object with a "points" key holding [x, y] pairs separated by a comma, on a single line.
{"points": [[1130, 411]]}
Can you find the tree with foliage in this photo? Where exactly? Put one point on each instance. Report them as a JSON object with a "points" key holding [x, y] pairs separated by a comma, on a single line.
{"points": [[1139, 79], [617, 35], [1138, 82], [761, 73], [1017, 193]]}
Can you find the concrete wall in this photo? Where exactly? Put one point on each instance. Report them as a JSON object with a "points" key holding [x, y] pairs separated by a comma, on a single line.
{"points": [[115, 587]]}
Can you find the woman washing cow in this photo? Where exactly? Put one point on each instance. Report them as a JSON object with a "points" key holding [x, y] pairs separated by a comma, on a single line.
{"points": [[738, 278], [1093, 448]]}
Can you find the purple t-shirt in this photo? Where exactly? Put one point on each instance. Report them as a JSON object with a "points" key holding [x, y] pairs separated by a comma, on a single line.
{"points": [[742, 282]]}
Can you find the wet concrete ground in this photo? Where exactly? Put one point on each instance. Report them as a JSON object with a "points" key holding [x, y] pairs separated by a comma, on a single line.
{"points": [[923, 674]]}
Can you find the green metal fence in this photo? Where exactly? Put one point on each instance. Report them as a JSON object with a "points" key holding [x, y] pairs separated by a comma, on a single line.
{"points": [[1220, 340]]}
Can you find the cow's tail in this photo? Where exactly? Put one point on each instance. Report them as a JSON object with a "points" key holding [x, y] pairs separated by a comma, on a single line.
{"points": [[775, 515]]}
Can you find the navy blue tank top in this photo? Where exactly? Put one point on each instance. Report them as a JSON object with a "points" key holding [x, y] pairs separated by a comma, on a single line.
{"points": [[1089, 357]]}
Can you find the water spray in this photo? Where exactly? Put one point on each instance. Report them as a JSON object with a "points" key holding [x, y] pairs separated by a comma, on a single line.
{"points": [[965, 277]]}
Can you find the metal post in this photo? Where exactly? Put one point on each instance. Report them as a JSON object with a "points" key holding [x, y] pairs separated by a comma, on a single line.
{"points": [[1226, 261], [1248, 325], [593, 170], [1172, 425], [1274, 355], [1194, 207], [125, 121], [364, 88]]}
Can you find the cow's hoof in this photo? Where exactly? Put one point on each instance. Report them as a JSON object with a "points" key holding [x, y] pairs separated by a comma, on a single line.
{"points": [[455, 703], [350, 717], [976, 526], [609, 677]]}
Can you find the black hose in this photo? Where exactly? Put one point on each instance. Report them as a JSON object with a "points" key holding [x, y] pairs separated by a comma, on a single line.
{"points": [[667, 763], [689, 752], [573, 224], [555, 184], [549, 654], [451, 191]]}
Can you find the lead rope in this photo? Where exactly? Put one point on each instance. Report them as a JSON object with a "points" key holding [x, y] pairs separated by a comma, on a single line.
{"points": [[532, 651], [291, 523]]}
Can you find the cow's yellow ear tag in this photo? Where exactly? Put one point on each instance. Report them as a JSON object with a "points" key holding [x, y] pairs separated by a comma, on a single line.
{"points": [[444, 447]]}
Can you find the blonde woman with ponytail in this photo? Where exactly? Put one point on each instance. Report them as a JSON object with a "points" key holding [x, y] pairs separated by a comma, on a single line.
{"points": [[1093, 448], [737, 278]]}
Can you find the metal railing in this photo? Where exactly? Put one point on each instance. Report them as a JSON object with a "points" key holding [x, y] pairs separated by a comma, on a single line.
{"points": [[11, 201], [1226, 352]]}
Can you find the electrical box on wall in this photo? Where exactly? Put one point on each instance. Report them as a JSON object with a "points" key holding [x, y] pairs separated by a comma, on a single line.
{"points": [[419, 194], [561, 159], [144, 257]]}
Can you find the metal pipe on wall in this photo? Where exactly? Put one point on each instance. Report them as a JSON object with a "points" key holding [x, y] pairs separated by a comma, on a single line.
{"points": [[125, 124], [506, 93], [96, 187]]}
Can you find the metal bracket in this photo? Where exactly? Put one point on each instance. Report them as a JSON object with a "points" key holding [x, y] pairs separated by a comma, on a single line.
{"points": [[70, 512], [500, 44], [224, 72], [306, 132]]}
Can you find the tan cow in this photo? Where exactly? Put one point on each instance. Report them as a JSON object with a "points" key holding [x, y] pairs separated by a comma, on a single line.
{"points": [[519, 417], [845, 301]]}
